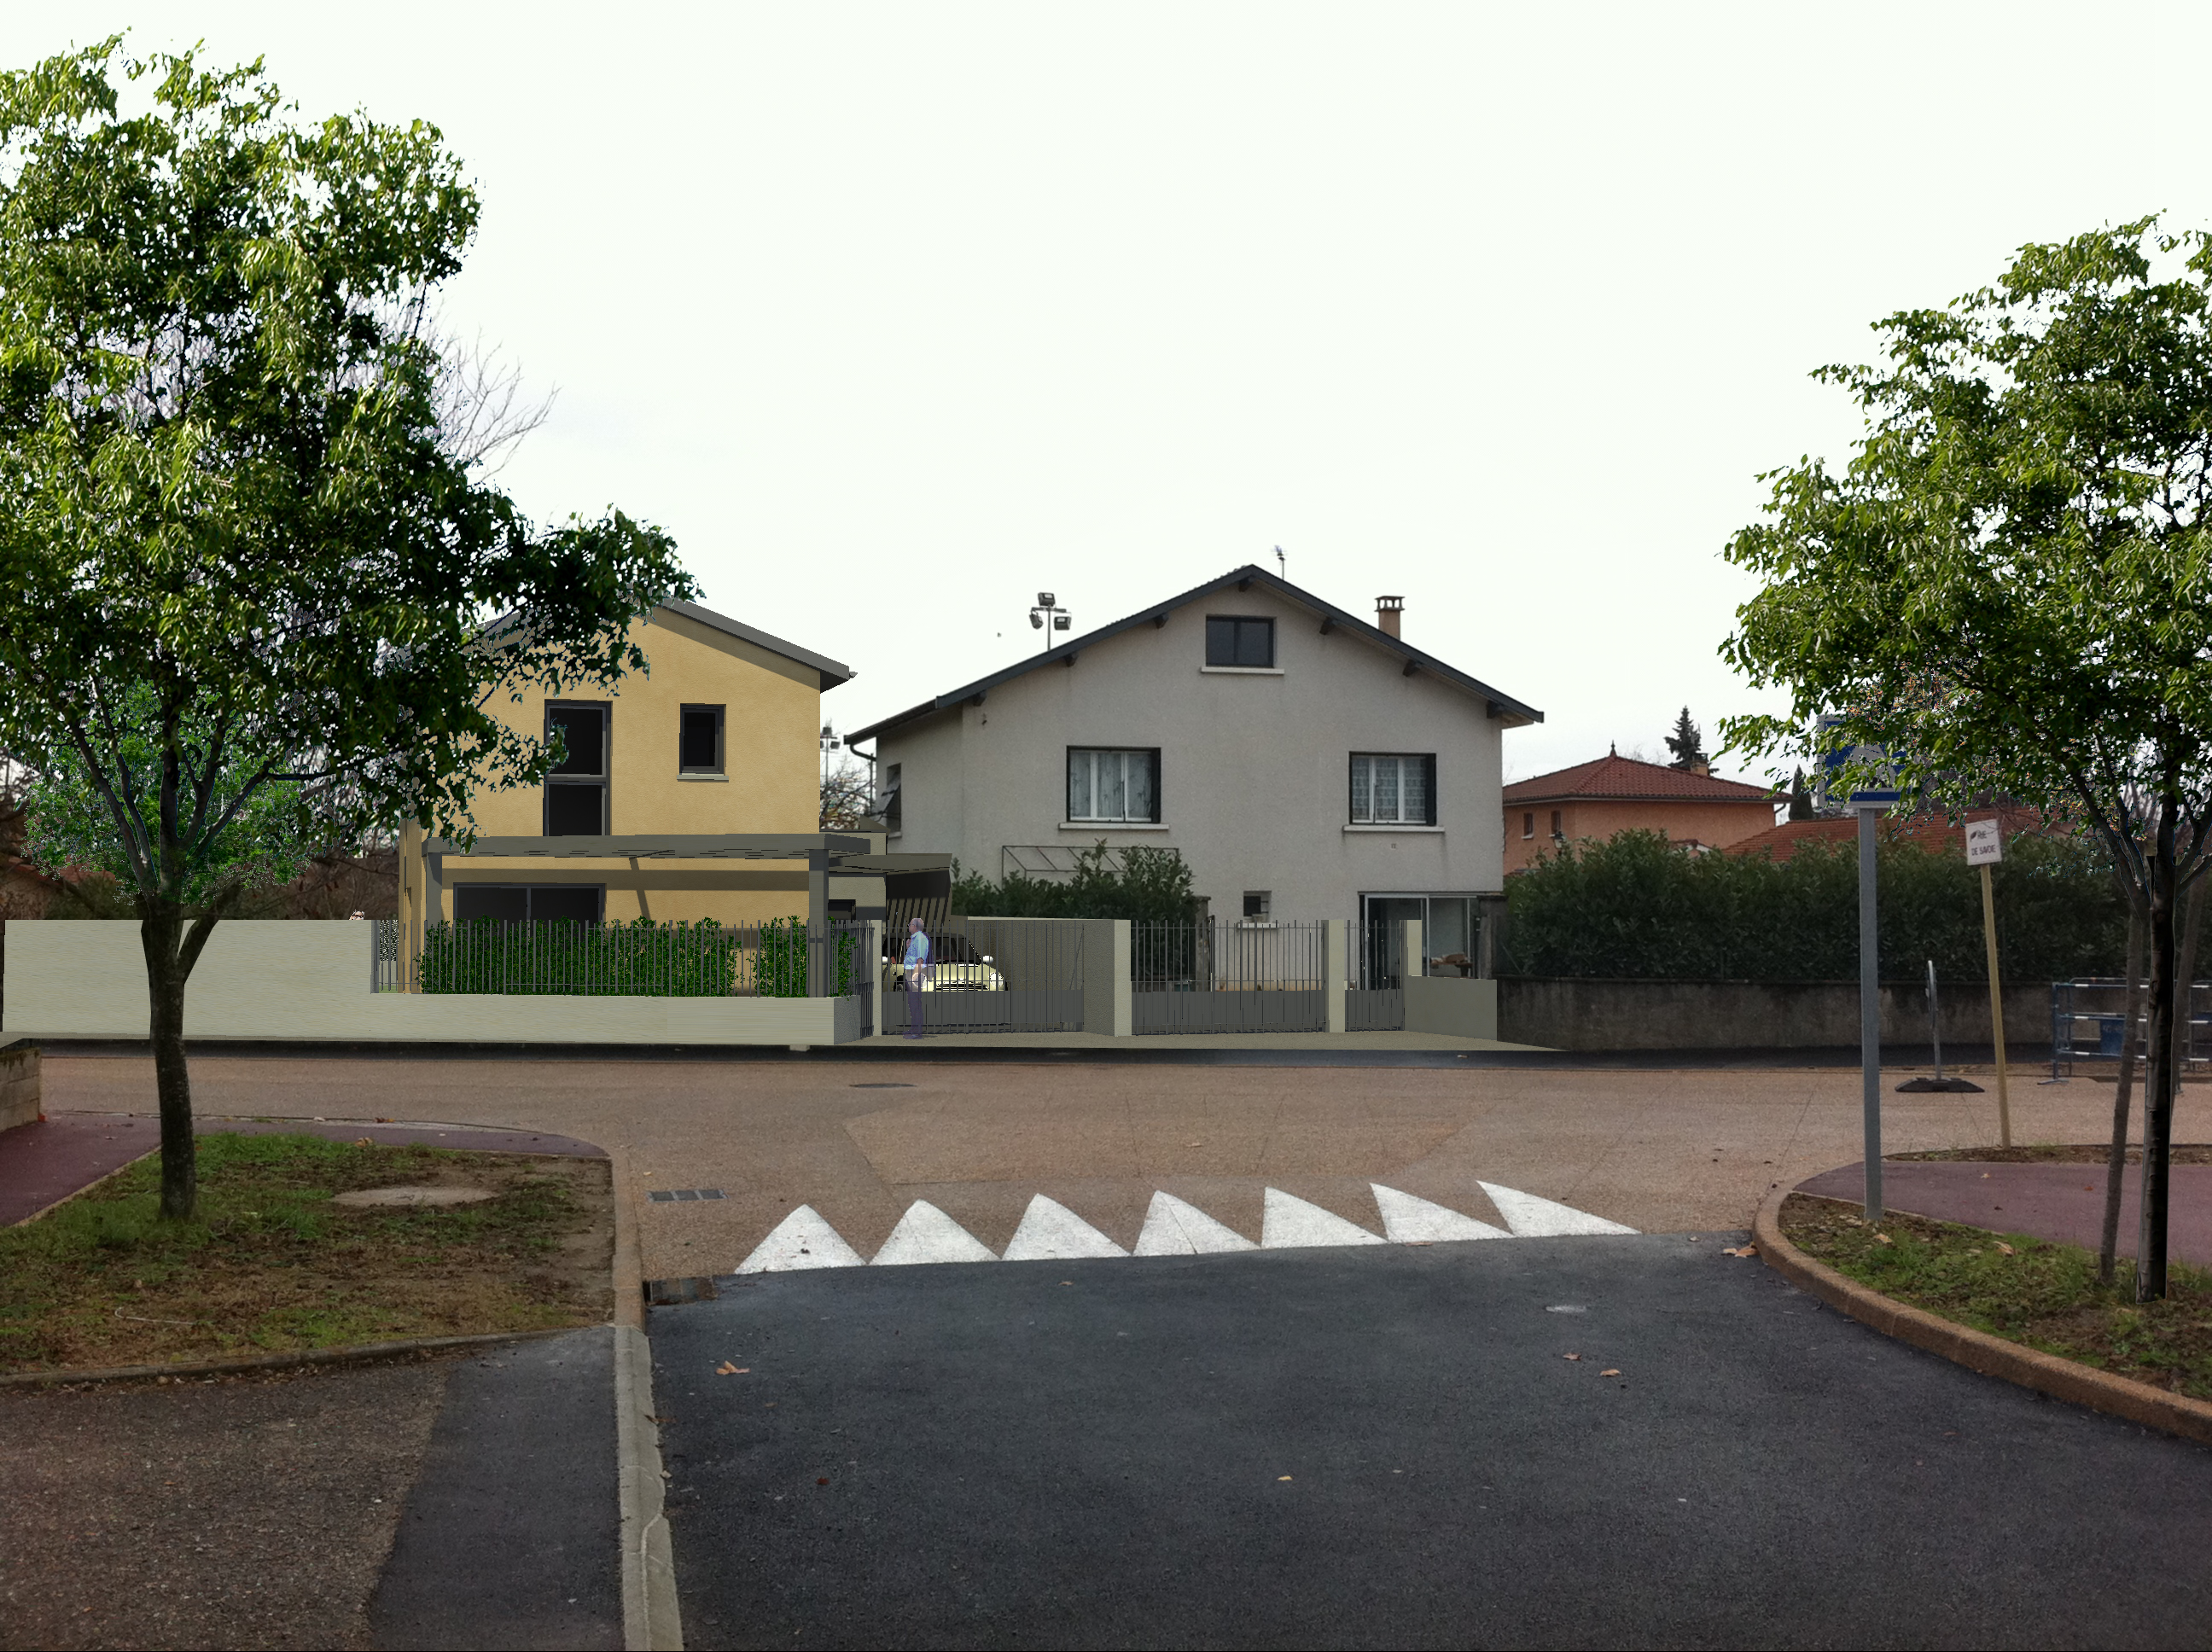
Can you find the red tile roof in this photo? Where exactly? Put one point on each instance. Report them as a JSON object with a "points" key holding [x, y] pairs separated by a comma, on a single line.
{"points": [[1934, 833], [1616, 776]]}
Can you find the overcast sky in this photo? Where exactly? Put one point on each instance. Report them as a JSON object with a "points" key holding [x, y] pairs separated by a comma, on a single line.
{"points": [[895, 315]]}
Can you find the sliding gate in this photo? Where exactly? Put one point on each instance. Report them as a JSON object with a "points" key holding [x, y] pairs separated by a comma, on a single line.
{"points": [[1228, 975]]}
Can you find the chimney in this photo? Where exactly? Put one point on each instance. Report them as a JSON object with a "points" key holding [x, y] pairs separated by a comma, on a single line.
{"points": [[1701, 766], [1386, 611]]}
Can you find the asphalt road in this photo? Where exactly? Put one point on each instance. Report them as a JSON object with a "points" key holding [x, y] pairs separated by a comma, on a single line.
{"points": [[1389, 1446]]}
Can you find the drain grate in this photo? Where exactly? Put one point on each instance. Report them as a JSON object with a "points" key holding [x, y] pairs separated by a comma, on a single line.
{"points": [[674, 1195], [880, 1086]]}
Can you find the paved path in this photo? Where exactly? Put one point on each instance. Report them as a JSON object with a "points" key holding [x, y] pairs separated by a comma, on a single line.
{"points": [[2060, 1202], [1658, 1151], [1388, 1447]]}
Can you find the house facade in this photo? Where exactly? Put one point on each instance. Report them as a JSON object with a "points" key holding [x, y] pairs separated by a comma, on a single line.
{"points": [[1615, 793], [719, 736], [1304, 763]]}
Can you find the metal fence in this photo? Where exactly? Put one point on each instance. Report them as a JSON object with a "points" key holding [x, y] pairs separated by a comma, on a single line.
{"points": [[642, 959], [1375, 996], [383, 955], [989, 975], [2089, 1023], [1228, 975]]}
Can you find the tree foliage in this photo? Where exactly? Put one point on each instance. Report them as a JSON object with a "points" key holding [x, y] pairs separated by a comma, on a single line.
{"points": [[255, 596], [1687, 743], [2009, 584], [1636, 907], [1147, 885]]}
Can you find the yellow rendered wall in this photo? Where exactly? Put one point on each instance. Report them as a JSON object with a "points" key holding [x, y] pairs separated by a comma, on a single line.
{"points": [[771, 758]]}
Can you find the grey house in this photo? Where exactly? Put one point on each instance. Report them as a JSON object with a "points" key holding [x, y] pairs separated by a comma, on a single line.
{"points": [[1305, 763]]}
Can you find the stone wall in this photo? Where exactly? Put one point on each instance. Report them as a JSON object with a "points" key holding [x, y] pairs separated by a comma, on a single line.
{"points": [[1567, 1014], [19, 1085]]}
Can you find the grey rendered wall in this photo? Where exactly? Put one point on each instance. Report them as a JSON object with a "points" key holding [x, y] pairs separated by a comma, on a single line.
{"points": [[1670, 1015], [1451, 1005], [1255, 767]]}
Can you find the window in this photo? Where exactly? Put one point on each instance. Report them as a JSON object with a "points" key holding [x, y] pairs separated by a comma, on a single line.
{"points": [[1112, 785], [576, 790], [1556, 832], [1390, 790], [1528, 824], [1231, 640], [1256, 903], [513, 903], [890, 806], [699, 740]]}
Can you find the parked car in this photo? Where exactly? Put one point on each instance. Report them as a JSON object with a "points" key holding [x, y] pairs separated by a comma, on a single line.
{"points": [[956, 968]]}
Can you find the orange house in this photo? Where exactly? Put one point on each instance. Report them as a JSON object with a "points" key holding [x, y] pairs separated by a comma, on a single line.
{"points": [[1618, 794]]}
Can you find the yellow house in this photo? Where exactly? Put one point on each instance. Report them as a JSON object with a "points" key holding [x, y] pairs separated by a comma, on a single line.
{"points": [[719, 738]]}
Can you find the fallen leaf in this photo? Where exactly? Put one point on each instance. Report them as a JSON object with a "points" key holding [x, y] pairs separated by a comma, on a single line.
{"points": [[1282, 1476], [825, 1480], [725, 1370], [1742, 1250], [2006, 1248], [1609, 1373], [1883, 1238], [363, 1141], [1572, 1356]]}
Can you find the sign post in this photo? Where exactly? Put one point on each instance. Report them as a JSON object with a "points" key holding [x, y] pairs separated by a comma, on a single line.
{"points": [[1984, 848], [1870, 803]]}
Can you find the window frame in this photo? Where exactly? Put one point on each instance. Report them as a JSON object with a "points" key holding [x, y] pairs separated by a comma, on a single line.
{"points": [[1234, 664], [1067, 764], [718, 713], [604, 780], [598, 890], [1428, 762], [1527, 825]]}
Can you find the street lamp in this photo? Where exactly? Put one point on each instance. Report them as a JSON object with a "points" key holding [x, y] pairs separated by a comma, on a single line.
{"points": [[1048, 608]]}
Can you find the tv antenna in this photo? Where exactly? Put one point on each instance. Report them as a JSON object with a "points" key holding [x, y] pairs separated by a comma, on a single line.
{"points": [[1048, 608], [1282, 565]]}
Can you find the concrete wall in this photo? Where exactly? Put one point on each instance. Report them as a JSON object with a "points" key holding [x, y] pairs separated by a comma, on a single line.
{"points": [[1665, 1015], [310, 981], [20, 1097], [770, 780], [1254, 780]]}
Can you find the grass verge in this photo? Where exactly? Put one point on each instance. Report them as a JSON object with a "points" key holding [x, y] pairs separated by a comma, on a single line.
{"points": [[271, 1264], [2027, 1291]]}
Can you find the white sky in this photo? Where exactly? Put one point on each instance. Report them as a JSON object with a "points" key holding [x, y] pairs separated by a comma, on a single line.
{"points": [[895, 315]]}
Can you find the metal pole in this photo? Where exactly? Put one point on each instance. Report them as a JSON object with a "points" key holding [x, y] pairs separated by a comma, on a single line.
{"points": [[1996, 1012], [1870, 1012], [1935, 1021]]}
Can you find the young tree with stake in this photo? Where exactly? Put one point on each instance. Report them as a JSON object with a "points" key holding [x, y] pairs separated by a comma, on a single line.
{"points": [[256, 593], [2010, 583]]}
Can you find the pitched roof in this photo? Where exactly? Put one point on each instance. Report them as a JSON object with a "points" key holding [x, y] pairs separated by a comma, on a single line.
{"points": [[1503, 707], [1936, 834], [1614, 777], [832, 673]]}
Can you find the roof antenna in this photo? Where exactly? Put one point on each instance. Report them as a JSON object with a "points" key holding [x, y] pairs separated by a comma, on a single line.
{"points": [[1282, 565]]}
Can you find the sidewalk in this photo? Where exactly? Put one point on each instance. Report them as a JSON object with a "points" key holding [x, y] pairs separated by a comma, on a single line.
{"points": [[2062, 1203]]}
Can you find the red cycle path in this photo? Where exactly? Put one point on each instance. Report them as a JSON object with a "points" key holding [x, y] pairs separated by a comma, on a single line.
{"points": [[43, 1164], [2060, 1202]]}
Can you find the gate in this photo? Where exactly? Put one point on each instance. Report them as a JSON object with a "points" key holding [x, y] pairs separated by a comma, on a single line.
{"points": [[991, 974], [1375, 997], [1228, 975]]}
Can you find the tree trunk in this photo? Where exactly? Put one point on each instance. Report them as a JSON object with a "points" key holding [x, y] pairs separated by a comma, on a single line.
{"points": [[2122, 1096], [2166, 989], [160, 930]]}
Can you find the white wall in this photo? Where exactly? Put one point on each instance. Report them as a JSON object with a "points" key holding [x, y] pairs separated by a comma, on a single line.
{"points": [[302, 980], [1254, 769]]}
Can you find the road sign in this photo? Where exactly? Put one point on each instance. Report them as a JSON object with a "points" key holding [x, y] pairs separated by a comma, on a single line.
{"points": [[1837, 757], [1985, 842]]}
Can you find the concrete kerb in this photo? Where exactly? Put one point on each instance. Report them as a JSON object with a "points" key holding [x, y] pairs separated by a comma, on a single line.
{"points": [[1978, 1350], [651, 1618]]}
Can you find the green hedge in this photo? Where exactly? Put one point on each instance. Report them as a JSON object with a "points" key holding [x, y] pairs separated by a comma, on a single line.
{"points": [[1149, 886], [1636, 907], [638, 959]]}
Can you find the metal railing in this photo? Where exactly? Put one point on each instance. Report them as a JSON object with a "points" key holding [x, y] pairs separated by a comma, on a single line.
{"points": [[1228, 975], [642, 959], [2089, 1023], [384, 973]]}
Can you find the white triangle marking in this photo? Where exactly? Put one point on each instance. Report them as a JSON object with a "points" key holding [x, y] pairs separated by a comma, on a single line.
{"points": [[1173, 1228], [1531, 1218], [926, 1234], [802, 1239], [1408, 1220], [1288, 1223], [1050, 1232]]}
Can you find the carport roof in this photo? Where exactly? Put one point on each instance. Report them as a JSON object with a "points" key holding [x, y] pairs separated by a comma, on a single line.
{"points": [[1497, 704]]}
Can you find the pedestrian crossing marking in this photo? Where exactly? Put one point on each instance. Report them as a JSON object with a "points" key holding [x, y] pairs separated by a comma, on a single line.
{"points": [[1173, 1228], [1408, 1220], [1050, 1232], [1291, 1223], [802, 1239], [1531, 1218], [926, 1234]]}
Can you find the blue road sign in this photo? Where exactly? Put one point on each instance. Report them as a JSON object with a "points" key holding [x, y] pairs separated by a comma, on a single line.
{"points": [[1835, 757]]}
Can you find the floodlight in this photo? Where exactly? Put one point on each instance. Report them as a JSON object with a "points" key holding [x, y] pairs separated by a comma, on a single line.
{"points": [[1059, 621], [1045, 599], [1036, 622]]}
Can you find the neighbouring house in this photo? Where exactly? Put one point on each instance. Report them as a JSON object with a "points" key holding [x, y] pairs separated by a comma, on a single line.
{"points": [[719, 739], [1304, 763], [1614, 793], [1937, 834]]}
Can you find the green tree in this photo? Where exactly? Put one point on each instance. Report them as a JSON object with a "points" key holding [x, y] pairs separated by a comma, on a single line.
{"points": [[255, 593], [1145, 885], [1687, 743], [2009, 581]]}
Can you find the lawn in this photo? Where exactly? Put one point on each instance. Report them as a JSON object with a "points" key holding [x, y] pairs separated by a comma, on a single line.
{"points": [[271, 1264], [2027, 1290]]}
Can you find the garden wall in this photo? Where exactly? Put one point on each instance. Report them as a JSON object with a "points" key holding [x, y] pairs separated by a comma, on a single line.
{"points": [[1687, 1015]]}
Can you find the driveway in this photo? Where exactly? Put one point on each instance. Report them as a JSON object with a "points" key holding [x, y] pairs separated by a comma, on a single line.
{"points": [[1390, 1446]]}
